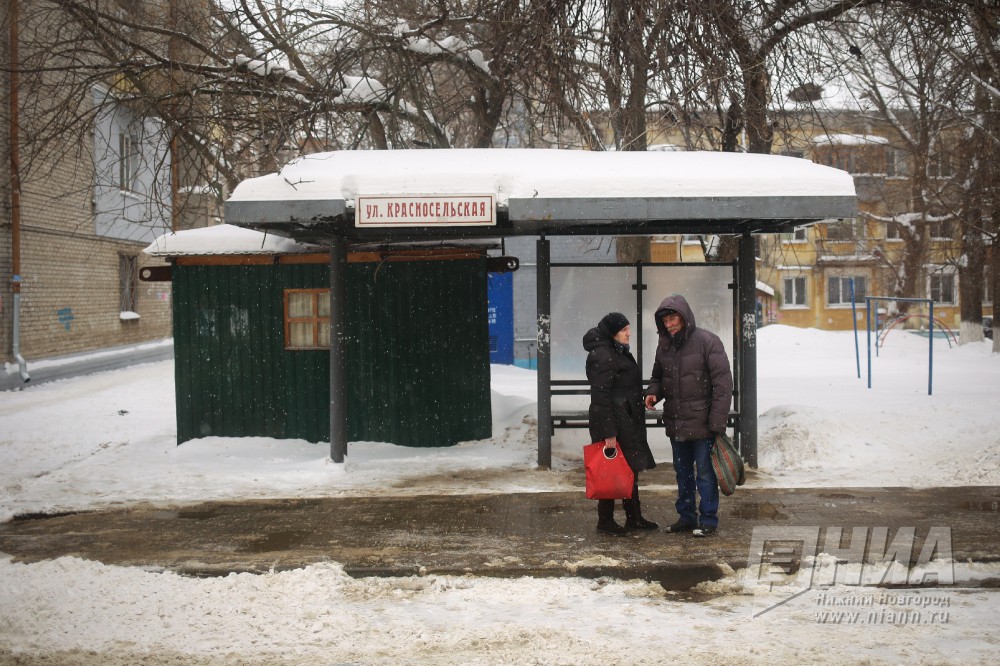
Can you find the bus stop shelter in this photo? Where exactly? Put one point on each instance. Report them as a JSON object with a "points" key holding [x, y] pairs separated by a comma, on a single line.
{"points": [[345, 199]]}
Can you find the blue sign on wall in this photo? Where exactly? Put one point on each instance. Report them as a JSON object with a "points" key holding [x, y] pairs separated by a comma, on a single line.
{"points": [[501, 317]]}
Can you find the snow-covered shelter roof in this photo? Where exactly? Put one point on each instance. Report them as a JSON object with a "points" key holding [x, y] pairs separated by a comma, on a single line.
{"points": [[547, 191], [225, 239]]}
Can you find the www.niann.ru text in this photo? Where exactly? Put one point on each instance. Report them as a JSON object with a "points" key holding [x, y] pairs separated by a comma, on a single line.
{"points": [[882, 616]]}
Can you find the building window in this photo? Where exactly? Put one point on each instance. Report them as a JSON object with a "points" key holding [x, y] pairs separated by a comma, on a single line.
{"points": [[844, 231], [128, 161], [987, 290], [794, 292], [841, 158], [128, 283], [307, 319], [892, 231], [942, 288], [797, 236], [838, 289], [897, 163], [941, 229], [939, 166]]}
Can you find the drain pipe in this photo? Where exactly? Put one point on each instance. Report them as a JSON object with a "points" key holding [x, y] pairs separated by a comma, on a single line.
{"points": [[15, 190], [22, 365]]}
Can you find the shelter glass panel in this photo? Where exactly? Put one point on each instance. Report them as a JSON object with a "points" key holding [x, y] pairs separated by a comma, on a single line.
{"points": [[582, 295], [706, 289]]}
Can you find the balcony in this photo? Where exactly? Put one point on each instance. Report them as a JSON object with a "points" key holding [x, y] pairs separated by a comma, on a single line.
{"points": [[851, 251]]}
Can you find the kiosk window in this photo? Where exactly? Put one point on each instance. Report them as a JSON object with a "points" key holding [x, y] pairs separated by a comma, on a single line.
{"points": [[307, 319]]}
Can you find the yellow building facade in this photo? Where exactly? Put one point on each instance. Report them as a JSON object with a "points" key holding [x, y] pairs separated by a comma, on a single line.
{"points": [[880, 253]]}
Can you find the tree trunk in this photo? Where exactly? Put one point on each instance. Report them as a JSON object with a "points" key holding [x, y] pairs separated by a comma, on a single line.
{"points": [[995, 290], [629, 65], [760, 136], [912, 263], [729, 249], [630, 249], [970, 287]]}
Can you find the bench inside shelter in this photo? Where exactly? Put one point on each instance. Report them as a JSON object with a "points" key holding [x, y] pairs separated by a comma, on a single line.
{"points": [[580, 418]]}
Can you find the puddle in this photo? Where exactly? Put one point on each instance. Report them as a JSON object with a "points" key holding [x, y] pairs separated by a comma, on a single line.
{"points": [[276, 541], [196, 514], [987, 507], [757, 510], [21, 517]]}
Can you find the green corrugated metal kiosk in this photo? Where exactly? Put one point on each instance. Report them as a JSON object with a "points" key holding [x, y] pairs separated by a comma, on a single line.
{"points": [[347, 197], [251, 343]]}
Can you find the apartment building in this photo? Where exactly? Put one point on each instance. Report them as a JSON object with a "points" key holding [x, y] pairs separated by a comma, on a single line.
{"points": [[78, 210], [889, 250], [898, 245]]}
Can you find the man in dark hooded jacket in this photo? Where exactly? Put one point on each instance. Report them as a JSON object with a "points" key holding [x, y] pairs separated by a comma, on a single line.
{"points": [[691, 374]]}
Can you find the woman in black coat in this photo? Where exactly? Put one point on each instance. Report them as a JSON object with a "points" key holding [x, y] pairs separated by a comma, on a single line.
{"points": [[617, 413]]}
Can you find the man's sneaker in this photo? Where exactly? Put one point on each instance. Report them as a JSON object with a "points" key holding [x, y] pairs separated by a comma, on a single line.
{"points": [[703, 531], [679, 526]]}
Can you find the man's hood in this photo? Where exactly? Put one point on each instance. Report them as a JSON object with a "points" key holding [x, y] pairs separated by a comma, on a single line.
{"points": [[678, 303]]}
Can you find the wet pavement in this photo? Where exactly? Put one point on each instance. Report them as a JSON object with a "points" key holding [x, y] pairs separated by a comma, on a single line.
{"points": [[523, 534]]}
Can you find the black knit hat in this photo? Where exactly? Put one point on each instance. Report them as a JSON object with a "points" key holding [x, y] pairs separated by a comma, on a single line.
{"points": [[614, 322]]}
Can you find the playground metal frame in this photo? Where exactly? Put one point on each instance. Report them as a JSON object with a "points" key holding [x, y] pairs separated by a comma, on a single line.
{"points": [[868, 327]]}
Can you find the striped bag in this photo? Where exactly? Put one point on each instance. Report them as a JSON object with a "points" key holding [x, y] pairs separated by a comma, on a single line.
{"points": [[728, 465]]}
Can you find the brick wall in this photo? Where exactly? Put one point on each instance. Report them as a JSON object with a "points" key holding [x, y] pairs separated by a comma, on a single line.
{"points": [[70, 275]]}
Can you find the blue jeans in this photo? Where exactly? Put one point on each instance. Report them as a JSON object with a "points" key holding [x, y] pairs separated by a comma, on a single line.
{"points": [[688, 456]]}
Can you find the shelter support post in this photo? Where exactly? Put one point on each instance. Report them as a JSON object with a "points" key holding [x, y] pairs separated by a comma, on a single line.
{"points": [[338, 355], [544, 352], [747, 351]]}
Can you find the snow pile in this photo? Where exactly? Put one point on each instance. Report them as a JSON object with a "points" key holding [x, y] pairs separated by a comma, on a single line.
{"points": [[361, 90], [850, 139], [821, 426], [108, 439], [319, 615], [224, 239]]}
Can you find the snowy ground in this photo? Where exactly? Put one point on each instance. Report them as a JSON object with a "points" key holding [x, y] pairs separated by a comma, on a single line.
{"points": [[108, 439]]}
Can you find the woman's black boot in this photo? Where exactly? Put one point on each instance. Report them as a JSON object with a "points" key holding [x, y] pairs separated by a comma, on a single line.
{"points": [[606, 518], [633, 517]]}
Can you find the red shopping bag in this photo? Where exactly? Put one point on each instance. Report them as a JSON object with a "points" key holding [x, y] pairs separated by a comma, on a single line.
{"points": [[608, 474]]}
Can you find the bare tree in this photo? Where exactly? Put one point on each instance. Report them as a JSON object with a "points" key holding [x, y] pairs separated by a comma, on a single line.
{"points": [[902, 76], [240, 90], [243, 88], [746, 45], [981, 55]]}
